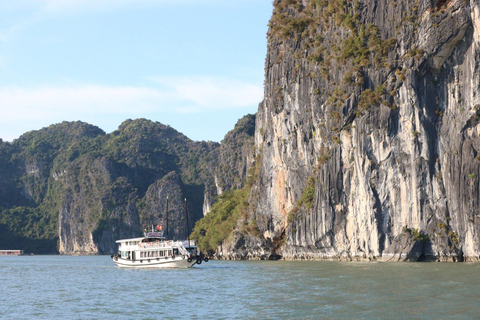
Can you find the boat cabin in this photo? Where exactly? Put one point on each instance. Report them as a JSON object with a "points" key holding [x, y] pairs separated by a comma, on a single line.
{"points": [[148, 248]]}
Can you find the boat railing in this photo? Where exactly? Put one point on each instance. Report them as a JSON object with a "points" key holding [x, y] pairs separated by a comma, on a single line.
{"points": [[158, 244], [187, 243]]}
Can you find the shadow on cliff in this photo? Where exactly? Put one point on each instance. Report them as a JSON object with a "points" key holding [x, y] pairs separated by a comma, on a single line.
{"points": [[110, 230], [12, 241]]}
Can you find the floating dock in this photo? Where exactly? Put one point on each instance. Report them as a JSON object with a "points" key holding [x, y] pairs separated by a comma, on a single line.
{"points": [[11, 253]]}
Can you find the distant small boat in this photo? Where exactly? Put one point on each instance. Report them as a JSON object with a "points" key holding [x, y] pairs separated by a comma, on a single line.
{"points": [[154, 251]]}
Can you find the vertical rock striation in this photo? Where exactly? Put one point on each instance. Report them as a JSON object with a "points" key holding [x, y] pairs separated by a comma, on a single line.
{"points": [[369, 131]]}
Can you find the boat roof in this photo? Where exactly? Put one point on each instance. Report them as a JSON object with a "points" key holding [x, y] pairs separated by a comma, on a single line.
{"points": [[138, 239], [186, 243]]}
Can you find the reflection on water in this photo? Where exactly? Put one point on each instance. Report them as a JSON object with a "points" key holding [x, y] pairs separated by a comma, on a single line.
{"points": [[90, 287]]}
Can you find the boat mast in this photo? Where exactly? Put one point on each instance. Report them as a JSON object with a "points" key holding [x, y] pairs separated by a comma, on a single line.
{"points": [[186, 215], [166, 221]]}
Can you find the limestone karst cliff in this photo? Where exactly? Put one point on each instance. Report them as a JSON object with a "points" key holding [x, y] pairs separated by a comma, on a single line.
{"points": [[368, 135]]}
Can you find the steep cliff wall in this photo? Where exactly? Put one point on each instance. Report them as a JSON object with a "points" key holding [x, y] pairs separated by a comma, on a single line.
{"points": [[369, 131]]}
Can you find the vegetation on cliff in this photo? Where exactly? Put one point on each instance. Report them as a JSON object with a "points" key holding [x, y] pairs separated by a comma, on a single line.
{"points": [[229, 213]]}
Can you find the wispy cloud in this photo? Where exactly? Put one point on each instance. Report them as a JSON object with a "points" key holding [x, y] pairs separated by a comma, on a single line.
{"points": [[53, 102], [29, 13], [212, 92], [73, 6], [181, 95]]}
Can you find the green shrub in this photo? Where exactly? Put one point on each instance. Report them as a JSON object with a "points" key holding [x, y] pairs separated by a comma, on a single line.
{"points": [[368, 99], [307, 198], [418, 235], [453, 236], [308, 194]]}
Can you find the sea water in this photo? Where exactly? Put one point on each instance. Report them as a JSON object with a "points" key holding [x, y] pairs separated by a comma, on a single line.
{"points": [[92, 287]]}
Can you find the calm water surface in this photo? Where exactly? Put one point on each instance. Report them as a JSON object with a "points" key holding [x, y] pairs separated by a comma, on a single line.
{"points": [[92, 287]]}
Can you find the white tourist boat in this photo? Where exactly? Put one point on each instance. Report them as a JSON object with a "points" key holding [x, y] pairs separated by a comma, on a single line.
{"points": [[154, 251]]}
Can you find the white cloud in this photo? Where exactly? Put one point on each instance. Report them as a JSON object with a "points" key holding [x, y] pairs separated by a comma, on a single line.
{"points": [[181, 95], [53, 102], [213, 92]]}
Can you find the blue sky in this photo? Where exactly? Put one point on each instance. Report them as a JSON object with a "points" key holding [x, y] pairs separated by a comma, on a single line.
{"points": [[196, 65]]}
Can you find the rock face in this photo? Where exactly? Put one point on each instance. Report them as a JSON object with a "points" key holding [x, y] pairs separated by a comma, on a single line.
{"points": [[95, 213], [233, 159], [154, 211], [369, 131]]}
